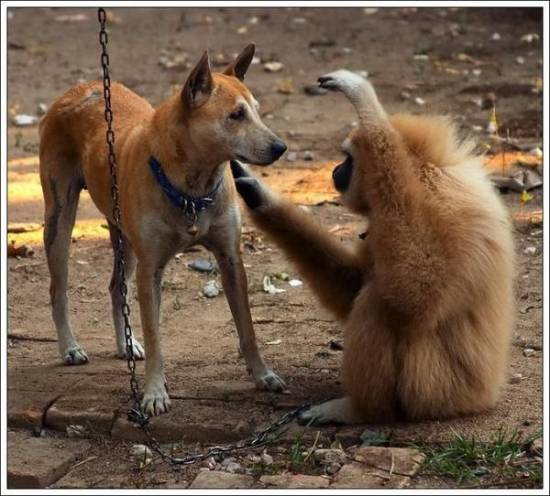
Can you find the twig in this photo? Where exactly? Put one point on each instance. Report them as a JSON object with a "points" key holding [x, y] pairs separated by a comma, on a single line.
{"points": [[312, 449], [22, 337], [89, 459]]}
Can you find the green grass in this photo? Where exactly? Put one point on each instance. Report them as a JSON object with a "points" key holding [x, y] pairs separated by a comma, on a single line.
{"points": [[504, 458]]}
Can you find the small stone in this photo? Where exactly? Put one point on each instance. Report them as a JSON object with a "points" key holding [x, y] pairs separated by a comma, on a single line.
{"points": [[325, 371], [253, 20], [515, 379], [520, 60], [209, 463], [273, 66], [420, 101], [476, 72], [536, 152], [370, 10], [141, 455], [495, 36], [75, 430], [530, 250], [421, 56], [242, 30], [405, 95], [295, 283], [536, 448], [332, 469], [42, 109], [308, 155], [202, 265], [211, 289], [529, 38], [23, 120], [327, 456], [346, 50], [291, 157], [299, 20], [234, 468], [527, 352], [266, 459]]}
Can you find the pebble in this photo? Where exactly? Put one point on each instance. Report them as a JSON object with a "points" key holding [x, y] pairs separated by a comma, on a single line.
{"points": [[495, 37], [515, 379], [299, 20], [211, 289], [76, 430], [273, 66], [520, 60], [476, 72], [266, 459], [530, 250], [536, 152], [421, 56], [530, 37], [291, 157], [329, 456], [419, 101], [23, 120], [295, 283], [308, 155], [42, 108], [405, 95], [370, 10], [234, 468], [201, 265], [141, 454], [527, 352]]}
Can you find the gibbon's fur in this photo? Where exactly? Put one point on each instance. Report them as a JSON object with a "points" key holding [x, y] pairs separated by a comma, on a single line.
{"points": [[426, 299]]}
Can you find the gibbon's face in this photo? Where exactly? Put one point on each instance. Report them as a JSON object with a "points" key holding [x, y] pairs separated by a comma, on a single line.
{"points": [[346, 176]]}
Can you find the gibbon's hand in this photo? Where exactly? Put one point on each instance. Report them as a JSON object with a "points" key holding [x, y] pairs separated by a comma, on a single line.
{"points": [[251, 190]]}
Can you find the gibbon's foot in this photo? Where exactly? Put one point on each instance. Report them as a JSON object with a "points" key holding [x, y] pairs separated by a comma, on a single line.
{"points": [[251, 190]]}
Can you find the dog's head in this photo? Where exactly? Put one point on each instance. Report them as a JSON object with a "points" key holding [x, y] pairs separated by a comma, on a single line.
{"points": [[223, 115]]}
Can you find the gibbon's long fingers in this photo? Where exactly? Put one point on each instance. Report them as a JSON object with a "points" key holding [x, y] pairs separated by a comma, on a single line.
{"points": [[359, 92]]}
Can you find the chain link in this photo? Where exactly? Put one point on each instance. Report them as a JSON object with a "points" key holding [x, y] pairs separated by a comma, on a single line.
{"points": [[136, 414]]}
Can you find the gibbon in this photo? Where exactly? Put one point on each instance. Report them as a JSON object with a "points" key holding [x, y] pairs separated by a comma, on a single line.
{"points": [[426, 299]]}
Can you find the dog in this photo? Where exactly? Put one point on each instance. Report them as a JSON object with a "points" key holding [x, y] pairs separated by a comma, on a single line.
{"points": [[426, 299], [175, 191]]}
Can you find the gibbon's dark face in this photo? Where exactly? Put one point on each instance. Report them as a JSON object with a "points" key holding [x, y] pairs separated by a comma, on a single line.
{"points": [[341, 175]]}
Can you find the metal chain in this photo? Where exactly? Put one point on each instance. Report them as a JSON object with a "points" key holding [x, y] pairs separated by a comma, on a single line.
{"points": [[135, 414]]}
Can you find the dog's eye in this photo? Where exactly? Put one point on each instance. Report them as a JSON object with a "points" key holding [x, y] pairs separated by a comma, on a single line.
{"points": [[238, 115]]}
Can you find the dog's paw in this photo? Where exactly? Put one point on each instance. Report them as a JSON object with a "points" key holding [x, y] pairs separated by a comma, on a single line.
{"points": [[155, 401], [338, 411], [341, 80], [139, 352], [268, 380], [75, 355]]}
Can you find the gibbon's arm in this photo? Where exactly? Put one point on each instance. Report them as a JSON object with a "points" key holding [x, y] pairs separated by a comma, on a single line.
{"points": [[410, 266], [333, 271]]}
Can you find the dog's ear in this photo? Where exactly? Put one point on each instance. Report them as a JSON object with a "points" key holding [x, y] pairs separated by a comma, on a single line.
{"points": [[241, 64], [199, 84]]}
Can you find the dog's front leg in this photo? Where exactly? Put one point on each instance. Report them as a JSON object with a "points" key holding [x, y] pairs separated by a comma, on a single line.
{"points": [[155, 398], [235, 285]]}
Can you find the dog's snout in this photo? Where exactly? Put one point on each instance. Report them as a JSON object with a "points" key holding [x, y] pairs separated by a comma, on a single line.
{"points": [[278, 148]]}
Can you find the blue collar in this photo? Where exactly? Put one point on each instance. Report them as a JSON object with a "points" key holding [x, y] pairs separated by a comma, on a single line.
{"points": [[190, 205]]}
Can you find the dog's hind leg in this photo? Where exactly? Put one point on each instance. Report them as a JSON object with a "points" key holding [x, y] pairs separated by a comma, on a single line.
{"points": [[61, 185], [116, 296]]}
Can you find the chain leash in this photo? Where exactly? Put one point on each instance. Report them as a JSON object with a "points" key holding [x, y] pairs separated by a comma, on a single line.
{"points": [[136, 414]]}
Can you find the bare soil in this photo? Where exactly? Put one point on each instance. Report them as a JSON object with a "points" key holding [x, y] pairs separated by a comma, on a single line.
{"points": [[206, 375]]}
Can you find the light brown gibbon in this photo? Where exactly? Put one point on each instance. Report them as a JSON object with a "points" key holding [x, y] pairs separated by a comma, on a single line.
{"points": [[426, 299]]}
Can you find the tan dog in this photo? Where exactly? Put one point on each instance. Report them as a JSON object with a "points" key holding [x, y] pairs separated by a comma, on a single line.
{"points": [[427, 298], [190, 136]]}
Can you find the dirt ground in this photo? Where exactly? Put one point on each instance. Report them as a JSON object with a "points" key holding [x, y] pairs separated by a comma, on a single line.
{"points": [[450, 59]]}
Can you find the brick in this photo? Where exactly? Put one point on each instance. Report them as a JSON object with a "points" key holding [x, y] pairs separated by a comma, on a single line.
{"points": [[295, 481], [221, 480], [35, 463]]}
